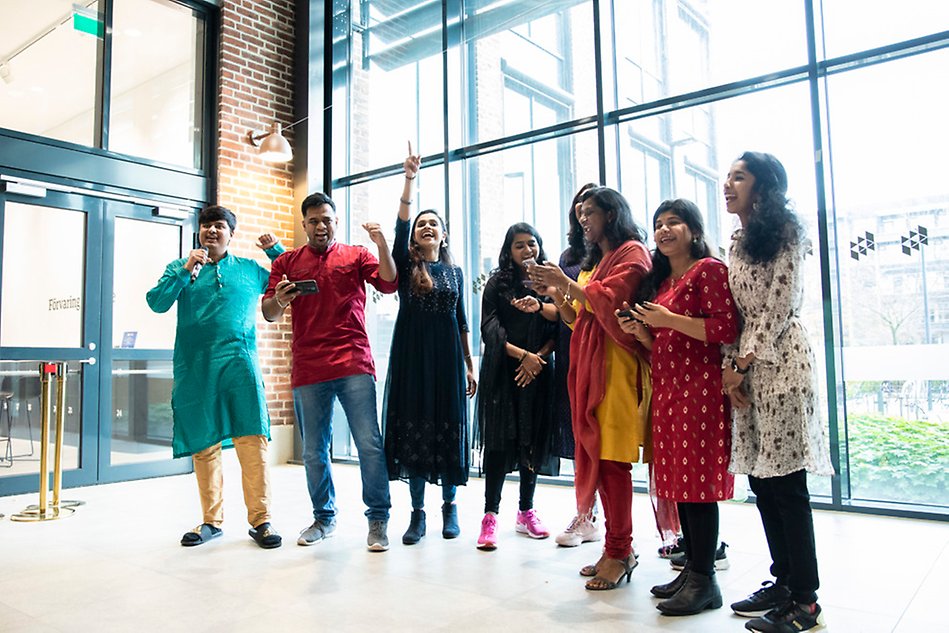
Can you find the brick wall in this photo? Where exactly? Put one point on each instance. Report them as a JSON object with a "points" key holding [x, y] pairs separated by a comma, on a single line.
{"points": [[256, 88]]}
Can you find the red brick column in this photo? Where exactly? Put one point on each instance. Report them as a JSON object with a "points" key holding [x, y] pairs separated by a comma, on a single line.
{"points": [[256, 88]]}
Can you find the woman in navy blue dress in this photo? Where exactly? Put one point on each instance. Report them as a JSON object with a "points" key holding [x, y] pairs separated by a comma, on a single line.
{"points": [[430, 370]]}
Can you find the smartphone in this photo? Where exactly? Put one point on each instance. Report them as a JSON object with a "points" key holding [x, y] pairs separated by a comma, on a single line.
{"points": [[527, 263], [306, 286], [628, 315]]}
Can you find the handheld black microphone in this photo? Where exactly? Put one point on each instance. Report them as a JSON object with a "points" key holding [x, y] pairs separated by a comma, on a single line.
{"points": [[197, 266]]}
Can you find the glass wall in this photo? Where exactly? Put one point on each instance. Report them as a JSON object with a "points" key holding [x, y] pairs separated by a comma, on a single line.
{"points": [[122, 76], [684, 87]]}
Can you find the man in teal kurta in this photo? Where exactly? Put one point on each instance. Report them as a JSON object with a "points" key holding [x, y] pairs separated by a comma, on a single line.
{"points": [[218, 390]]}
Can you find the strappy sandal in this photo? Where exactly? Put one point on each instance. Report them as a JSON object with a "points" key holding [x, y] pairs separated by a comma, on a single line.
{"points": [[265, 536], [589, 571], [599, 583], [200, 535]]}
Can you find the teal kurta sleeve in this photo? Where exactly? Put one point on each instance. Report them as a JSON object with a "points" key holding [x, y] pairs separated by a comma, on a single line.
{"points": [[166, 291]]}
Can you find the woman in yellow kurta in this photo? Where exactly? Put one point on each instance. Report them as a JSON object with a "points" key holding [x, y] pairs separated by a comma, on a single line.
{"points": [[609, 377]]}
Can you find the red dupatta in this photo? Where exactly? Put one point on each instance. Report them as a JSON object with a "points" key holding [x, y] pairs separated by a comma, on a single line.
{"points": [[615, 280]]}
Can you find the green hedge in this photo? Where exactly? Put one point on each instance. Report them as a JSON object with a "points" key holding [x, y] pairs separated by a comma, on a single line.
{"points": [[899, 460]]}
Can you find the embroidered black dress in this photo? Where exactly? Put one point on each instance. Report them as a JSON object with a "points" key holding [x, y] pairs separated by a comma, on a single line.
{"points": [[425, 415]]}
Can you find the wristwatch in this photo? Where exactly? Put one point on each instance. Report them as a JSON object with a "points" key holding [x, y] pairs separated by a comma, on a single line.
{"points": [[739, 369]]}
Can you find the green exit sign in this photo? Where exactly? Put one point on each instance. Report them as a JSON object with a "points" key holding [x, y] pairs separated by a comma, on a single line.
{"points": [[86, 22]]}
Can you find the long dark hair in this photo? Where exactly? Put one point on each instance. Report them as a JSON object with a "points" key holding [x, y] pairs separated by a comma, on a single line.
{"points": [[620, 228], [688, 212], [420, 280], [772, 224], [576, 246], [508, 273]]}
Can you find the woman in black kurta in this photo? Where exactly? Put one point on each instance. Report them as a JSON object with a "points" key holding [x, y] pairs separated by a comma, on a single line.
{"points": [[516, 427], [426, 414]]}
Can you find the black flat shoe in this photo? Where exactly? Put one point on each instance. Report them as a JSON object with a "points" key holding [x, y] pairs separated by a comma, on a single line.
{"points": [[265, 536], [201, 535]]}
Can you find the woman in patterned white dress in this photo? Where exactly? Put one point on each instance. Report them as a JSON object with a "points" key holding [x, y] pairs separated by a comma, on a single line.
{"points": [[777, 434], [685, 312]]}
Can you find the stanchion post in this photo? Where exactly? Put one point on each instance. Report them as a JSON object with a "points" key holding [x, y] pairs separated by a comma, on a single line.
{"points": [[43, 511], [60, 431]]}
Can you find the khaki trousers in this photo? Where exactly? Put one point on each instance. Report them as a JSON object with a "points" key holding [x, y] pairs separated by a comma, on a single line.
{"points": [[255, 478]]}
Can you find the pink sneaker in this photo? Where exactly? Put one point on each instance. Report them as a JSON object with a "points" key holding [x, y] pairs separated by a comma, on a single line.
{"points": [[529, 523], [489, 533]]}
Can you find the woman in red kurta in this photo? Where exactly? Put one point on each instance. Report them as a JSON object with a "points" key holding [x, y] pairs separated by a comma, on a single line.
{"points": [[685, 314], [608, 379]]}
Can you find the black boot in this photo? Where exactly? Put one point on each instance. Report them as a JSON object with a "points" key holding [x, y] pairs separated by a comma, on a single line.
{"points": [[698, 592], [416, 528], [450, 527], [671, 588]]}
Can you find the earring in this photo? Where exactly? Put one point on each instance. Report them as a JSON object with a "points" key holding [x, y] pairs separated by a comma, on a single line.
{"points": [[754, 206]]}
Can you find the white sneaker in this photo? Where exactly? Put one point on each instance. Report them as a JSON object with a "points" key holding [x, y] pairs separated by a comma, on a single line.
{"points": [[580, 530]]}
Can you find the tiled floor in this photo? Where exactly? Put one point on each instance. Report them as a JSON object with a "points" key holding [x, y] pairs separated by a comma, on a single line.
{"points": [[117, 566]]}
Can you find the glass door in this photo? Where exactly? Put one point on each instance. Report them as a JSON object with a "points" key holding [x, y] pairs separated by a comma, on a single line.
{"points": [[49, 311], [135, 393], [74, 270]]}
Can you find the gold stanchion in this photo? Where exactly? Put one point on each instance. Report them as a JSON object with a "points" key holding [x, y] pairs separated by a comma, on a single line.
{"points": [[44, 511]]}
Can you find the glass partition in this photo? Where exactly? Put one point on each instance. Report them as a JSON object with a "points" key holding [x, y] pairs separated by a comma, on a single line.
{"points": [[137, 269], [21, 419], [141, 411], [42, 292]]}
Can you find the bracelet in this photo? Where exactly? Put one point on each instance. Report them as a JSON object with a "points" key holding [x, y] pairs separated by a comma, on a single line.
{"points": [[566, 293], [738, 369], [521, 360], [407, 177], [282, 306], [407, 203]]}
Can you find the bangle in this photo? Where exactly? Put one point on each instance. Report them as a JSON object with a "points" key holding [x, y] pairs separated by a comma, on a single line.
{"points": [[407, 177], [282, 306], [563, 304], [738, 369], [407, 203], [566, 293], [523, 356]]}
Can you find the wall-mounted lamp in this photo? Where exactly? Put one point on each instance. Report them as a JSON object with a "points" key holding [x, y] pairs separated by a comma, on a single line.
{"points": [[272, 146]]}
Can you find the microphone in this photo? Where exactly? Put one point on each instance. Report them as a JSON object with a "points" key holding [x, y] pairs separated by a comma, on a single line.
{"points": [[197, 267]]}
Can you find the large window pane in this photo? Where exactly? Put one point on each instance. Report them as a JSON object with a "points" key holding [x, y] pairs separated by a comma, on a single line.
{"points": [[892, 207], [390, 56], [665, 48], [42, 308], [531, 65], [880, 22], [693, 165], [157, 75], [48, 68]]}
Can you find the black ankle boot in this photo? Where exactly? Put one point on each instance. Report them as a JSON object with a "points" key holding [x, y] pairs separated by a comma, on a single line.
{"points": [[671, 588], [416, 528], [450, 527], [698, 592]]}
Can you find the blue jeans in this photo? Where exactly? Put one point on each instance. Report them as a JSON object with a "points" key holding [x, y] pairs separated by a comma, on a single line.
{"points": [[313, 405], [417, 490]]}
